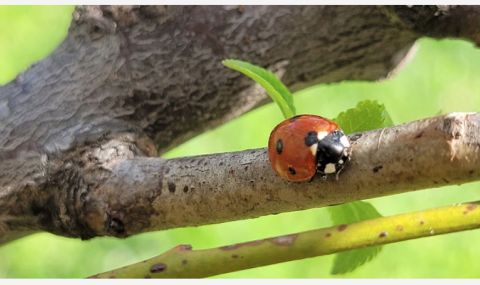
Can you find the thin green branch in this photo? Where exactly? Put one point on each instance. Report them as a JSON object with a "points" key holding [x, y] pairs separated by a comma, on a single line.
{"points": [[183, 262]]}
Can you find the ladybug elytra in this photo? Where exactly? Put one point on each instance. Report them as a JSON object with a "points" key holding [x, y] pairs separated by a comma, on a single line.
{"points": [[303, 145]]}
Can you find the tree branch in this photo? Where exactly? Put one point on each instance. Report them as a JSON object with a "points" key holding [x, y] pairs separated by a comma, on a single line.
{"points": [[146, 194], [183, 262]]}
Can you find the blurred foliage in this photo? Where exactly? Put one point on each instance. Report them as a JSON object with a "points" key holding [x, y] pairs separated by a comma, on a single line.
{"points": [[29, 33], [442, 77]]}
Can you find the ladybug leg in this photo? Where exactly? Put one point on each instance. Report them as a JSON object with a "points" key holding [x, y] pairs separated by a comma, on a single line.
{"points": [[323, 177]]}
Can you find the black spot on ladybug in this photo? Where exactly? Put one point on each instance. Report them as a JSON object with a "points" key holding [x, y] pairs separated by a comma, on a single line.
{"points": [[292, 170], [279, 146], [311, 138], [185, 189], [383, 234]]}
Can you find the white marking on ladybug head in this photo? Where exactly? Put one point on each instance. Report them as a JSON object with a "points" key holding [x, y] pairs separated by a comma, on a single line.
{"points": [[313, 149], [344, 141], [340, 161], [321, 135], [330, 168]]}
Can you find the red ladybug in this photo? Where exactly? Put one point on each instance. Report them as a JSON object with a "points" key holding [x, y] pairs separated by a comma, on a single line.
{"points": [[301, 146]]}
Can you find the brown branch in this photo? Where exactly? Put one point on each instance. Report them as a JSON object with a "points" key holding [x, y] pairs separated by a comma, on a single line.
{"points": [[146, 194], [183, 262]]}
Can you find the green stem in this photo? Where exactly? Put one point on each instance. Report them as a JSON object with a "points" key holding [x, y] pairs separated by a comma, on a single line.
{"points": [[183, 262]]}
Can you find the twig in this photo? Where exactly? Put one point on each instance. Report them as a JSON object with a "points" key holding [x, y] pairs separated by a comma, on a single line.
{"points": [[183, 262]]}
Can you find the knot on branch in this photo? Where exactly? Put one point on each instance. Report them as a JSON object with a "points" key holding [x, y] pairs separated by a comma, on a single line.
{"points": [[69, 209]]}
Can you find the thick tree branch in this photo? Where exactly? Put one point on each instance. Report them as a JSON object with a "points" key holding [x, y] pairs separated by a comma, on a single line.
{"points": [[183, 262], [146, 194]]}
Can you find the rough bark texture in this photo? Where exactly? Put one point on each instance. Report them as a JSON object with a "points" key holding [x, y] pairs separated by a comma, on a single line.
{"points": [[133, 81]]}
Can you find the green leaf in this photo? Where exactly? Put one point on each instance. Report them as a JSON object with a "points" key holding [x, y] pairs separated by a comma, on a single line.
{"points": [[353, 212], [367, 115], [274, 87], [348, 261]]}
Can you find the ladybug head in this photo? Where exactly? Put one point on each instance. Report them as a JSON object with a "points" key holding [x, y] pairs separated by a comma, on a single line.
{"points": [[333, 151]]}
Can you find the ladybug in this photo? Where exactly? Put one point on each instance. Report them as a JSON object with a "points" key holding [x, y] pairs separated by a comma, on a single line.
{"points": [[303, 145]]}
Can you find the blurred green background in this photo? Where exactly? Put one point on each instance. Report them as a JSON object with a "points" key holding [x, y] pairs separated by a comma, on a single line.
{"points": [[442, 77]]}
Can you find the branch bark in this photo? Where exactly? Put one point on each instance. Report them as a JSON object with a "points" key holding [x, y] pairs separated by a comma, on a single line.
{"points": [[183, 262], [146, 194], [130, 82]]}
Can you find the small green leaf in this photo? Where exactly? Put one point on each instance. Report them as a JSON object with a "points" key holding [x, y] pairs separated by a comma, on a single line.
{"points": [[345, 214], [367, 115], [274, 87], [348, 261], [353, 212]]}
